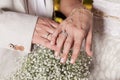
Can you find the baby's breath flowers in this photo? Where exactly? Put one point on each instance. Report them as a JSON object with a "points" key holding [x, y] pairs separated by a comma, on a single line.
{"points": [[41, 65]]}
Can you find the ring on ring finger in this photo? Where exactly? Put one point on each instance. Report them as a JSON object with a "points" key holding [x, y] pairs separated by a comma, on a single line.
{"points": [[64, 33], [47, 35]]}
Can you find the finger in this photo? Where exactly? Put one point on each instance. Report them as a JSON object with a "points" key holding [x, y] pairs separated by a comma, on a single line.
{"points": [[55, 35], [66, 49], [43, 33], [48, 21], [42, 41], [49, 36], [76, 50], [54, 24], [46, 27], [60, 42], [49, 28], [88, 43], [46, 43]]}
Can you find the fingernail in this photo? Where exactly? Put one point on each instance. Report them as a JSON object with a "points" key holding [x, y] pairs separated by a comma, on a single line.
{"points": [[58, 58], [72, 61], [57, 55], [62, 60]]}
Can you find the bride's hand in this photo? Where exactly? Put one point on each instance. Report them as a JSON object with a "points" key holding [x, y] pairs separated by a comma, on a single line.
{"points": [[42, 34], [72, 32]]}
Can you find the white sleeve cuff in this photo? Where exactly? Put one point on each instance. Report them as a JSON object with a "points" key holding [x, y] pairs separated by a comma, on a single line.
{"points": [[17, 29]]}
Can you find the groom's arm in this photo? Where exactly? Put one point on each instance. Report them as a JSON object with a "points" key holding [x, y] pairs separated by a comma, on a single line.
{"points": [[16, 27]]}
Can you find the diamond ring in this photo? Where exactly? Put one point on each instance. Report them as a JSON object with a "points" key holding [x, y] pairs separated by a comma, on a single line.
{"points": [[64, 33]]}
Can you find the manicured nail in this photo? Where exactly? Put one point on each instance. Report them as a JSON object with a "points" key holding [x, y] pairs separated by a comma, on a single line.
{"points": [[72, 61], [56, 54], [62, 60], [58, 58]]}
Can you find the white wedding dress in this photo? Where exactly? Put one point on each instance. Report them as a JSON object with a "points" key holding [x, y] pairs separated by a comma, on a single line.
{"points": [[106, 40]]}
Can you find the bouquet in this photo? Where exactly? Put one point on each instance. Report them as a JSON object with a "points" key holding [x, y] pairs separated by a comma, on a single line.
{"points": [[41, 65]]}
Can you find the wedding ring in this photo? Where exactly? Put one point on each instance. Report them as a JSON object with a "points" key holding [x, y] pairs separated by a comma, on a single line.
{"points": [[64, 33], [47, 35]]}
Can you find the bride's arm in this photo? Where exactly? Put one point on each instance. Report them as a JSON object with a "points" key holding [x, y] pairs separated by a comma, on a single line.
{"points": [[66, 6], [75, 28]]}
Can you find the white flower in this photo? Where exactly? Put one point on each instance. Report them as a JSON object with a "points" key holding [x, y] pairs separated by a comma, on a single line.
{"points": [[41, 65]]}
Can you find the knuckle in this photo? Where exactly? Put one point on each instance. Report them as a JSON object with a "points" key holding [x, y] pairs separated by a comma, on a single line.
{"points": [[53, 36], [81, 34], [65, 51], [88, 44], [58, 48], [45, 42], [65, 54], [61, 36], [68, 42], [77, 46]]}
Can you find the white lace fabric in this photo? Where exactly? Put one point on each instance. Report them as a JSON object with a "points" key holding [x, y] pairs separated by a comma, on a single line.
{"points": [[109, 7], [106, 41]]}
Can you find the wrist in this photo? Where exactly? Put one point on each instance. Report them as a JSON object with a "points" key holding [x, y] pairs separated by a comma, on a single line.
{"points": [[67, 9], [81, 10]]}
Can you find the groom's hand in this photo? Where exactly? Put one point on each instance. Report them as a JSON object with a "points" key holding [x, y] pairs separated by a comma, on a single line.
{"points": [[43, 30]]}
